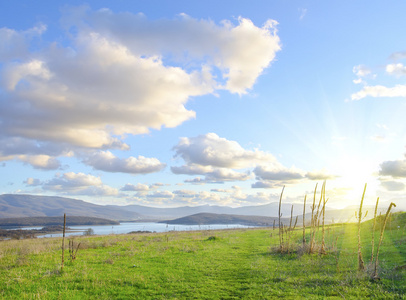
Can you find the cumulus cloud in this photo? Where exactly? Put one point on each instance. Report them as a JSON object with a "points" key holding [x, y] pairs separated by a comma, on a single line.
{"points": [[185, 193], [227, 175], [320, 175], [265, 185], [216, 157], [44, 162], [156, 185], [79, 184], [32, 182], [192, 169], [394, 168], [269, 172], [196, 180], [275, 175], [39, 155], [212, 150], [398, 55], [107, 161], [139, 187], [161, 194], [396, 69], [361, 71], [240, 52], [15, 44], [393, 186], [379, 91], [122, 74]]}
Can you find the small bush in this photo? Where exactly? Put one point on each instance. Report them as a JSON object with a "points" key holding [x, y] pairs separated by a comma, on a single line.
{"points": [[89, 231]]}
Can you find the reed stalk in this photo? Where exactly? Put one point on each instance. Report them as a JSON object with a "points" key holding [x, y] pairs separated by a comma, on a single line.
{"points": [[323, 195], [279, 222], [375, 275], [313, 221], [361, 265], [373, 230], [304, 221]]}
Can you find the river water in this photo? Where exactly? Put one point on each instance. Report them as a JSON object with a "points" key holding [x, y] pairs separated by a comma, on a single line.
{"points": [[127, 227]]}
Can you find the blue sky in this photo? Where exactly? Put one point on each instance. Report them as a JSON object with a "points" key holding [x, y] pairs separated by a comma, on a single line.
{"points": [[170, 103]]}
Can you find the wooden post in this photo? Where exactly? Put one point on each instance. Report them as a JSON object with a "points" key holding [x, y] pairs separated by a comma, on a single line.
{"points": [[304, 221], [63, 240]]}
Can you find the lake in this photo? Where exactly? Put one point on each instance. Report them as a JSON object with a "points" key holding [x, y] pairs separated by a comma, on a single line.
{"points": [[127, 227]]}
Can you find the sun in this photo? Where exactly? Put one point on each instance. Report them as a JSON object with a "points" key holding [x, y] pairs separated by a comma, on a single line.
{"points": [[353, 173]]}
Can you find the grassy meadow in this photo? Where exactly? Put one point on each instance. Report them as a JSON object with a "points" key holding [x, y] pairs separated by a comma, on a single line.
{"points": [[221, 264]]}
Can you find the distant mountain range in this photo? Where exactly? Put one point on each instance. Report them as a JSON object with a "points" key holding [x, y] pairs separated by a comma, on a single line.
{"points": [[18, 206], [270, 210]]}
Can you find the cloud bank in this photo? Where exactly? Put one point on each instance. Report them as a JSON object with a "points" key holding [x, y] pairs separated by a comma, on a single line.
{"points": [[119, 74]]}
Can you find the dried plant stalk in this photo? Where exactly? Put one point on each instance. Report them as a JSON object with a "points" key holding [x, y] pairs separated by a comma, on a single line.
{"points": [[323, 195], [304, 221], [313, 222], [375, 274], [373, 230], [361, 265], [279, 222]]}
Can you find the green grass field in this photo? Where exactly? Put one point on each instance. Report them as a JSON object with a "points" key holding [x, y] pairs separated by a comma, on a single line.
{"points": [[224, 264]]}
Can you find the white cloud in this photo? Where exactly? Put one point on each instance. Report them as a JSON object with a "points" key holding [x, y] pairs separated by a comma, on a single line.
{"points": [[156, 185], [398, 55], [240, 52], [139, 187], [265, 185], [14, 44], [44, 162], [216, 158], [220, 190], [361, 71], [358, 81], [32, 181], [303, 12], [222, 174], [394, 168], [185, 193], [392, 185], [123, 74], [320, 175], [379, 138], [196, 180], [192, 169], [270, 172], [107, 161], [396, 69], [79, 184], [211, 150], [161, 194], [380, 91]]}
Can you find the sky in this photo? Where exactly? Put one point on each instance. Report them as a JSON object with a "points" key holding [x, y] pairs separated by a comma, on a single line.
{"points": [[174, 103]]}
